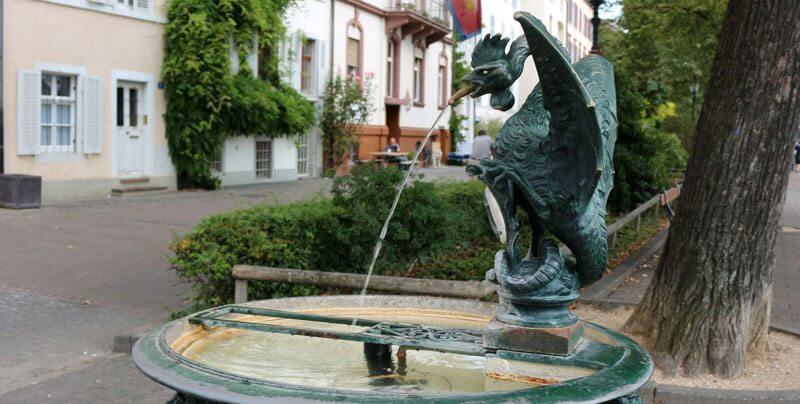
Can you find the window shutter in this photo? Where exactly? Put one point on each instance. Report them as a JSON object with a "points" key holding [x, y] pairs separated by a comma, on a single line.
{"points": [[297, 62], [352, 52], [29, 88], [144, 5], [321, 76], [93, 115]]}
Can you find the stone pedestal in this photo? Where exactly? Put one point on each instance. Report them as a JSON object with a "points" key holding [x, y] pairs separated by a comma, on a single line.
{"points": [[543, 340]]}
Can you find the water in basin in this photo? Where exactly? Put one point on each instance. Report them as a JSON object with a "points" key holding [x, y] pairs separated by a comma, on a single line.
{"points": [[330, 363]]}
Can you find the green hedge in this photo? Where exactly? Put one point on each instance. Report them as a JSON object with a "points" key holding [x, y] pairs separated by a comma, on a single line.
{"points": [[432, 221]]}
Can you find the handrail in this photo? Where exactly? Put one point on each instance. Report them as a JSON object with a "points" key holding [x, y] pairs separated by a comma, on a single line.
{"points": [[652, 203]]}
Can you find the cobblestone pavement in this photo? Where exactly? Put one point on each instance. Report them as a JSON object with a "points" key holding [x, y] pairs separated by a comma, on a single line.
{"points": [[786, 277], [110, 379], [41, 336]]}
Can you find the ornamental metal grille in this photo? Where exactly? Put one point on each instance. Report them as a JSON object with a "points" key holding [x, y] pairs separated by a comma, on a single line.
{"points": [[263, 159]]}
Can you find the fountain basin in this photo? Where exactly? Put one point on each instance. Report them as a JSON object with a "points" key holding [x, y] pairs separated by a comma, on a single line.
{"points": [[241, 365]]}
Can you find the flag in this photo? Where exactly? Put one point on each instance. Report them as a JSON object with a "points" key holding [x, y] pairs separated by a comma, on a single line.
{"points": [[466, 16]]}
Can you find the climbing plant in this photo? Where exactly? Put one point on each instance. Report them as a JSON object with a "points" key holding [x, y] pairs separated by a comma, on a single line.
{"points": [[347, 104], [206, 99]]}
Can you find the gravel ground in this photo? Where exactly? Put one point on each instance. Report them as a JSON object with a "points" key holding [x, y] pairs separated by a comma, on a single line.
{"points": [[777, 369]]}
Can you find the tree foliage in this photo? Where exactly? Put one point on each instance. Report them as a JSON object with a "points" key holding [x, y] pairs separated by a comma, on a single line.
{"points": [[659, 50], [491, 126], [347, 104], [665, 47], [206, 99]]}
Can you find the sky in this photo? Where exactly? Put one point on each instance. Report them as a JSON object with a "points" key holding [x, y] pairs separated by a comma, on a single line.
{"points": [[611, 11]]}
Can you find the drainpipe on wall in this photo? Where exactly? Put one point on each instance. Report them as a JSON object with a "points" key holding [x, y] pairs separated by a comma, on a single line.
{"points": [[330, 61]]}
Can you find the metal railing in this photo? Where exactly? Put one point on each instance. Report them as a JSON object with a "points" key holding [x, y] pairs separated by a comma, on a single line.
{"points": [[435, 10], [636, 216]]}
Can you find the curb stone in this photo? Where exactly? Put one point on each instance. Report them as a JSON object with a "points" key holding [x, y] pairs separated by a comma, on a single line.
{"points": [[664, 393], [600, 290]]}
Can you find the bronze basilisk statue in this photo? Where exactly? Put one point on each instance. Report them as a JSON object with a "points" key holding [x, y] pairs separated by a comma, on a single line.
{"points": [[553, 160]]}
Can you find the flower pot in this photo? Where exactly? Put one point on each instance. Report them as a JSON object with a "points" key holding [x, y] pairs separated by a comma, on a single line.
{"points": [[19, 191]]}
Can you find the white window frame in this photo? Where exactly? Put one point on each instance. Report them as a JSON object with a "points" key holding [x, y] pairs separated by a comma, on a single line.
{"points": [[390, 68], [78, 72], [270, 158], [113, 7], [418, 79], [312, 69], [53, 101], [303, 147]]}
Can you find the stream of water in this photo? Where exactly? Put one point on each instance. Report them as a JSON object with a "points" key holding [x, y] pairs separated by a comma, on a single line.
{"points": [[379, 244]]}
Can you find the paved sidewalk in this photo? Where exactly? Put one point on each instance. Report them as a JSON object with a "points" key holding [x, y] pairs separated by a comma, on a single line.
{"points": [[73, 276], [786, 277]]}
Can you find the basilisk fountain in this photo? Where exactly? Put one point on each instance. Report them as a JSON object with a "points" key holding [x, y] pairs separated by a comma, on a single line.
{"points": [[552, 161]]}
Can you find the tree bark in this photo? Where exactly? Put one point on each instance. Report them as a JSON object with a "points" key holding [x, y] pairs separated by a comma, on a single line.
{"points": [[709, 302]]}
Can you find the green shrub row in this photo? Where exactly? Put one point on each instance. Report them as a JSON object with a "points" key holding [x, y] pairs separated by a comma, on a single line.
{"points": [[433, 220]]}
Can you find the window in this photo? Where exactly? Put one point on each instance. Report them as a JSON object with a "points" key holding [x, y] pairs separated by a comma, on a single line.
{"points": [[442, 81], [135, 5], [353, 65], [307, 66], [419, 67], [390, 69], [264, 158], [57, 132], [216, 164], [302, 155]]}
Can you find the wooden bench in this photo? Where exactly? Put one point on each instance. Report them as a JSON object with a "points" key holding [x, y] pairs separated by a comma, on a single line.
{"points": [[395, 285]]}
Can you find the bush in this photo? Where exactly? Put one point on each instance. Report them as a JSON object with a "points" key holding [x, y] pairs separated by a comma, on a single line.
{"points": [[336, 234]]}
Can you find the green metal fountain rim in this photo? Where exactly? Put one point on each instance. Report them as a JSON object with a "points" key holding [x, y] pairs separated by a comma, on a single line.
{"points": [[156, 359]]}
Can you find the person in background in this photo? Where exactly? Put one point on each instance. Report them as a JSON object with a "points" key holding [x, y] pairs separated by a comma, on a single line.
{"points": [[482, 146], [797, 156], [436, 151], [425, 156], [394, 147]]}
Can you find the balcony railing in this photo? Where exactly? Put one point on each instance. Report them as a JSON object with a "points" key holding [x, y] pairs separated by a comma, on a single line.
{"points": [[434, 10]]}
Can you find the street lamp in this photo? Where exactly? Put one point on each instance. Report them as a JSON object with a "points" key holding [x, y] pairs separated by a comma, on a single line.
{"points": [[694, 88], [596, 26]]}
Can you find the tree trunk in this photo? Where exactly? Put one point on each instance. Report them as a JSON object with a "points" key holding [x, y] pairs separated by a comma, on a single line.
{"points": [[709, 301]]}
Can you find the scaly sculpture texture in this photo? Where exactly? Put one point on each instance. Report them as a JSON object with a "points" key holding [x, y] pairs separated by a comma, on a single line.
{"points": [[553, 159]]}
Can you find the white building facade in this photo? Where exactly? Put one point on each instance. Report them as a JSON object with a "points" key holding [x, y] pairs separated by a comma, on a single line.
{"points": [[80, 109], [83, 108], [567, 20]]}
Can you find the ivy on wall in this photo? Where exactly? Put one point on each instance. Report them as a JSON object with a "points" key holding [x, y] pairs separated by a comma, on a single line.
{"points": [[208, 101]]}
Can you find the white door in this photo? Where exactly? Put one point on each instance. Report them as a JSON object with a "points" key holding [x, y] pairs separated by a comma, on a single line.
{"points": [[131, 124], [302, 155]]}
